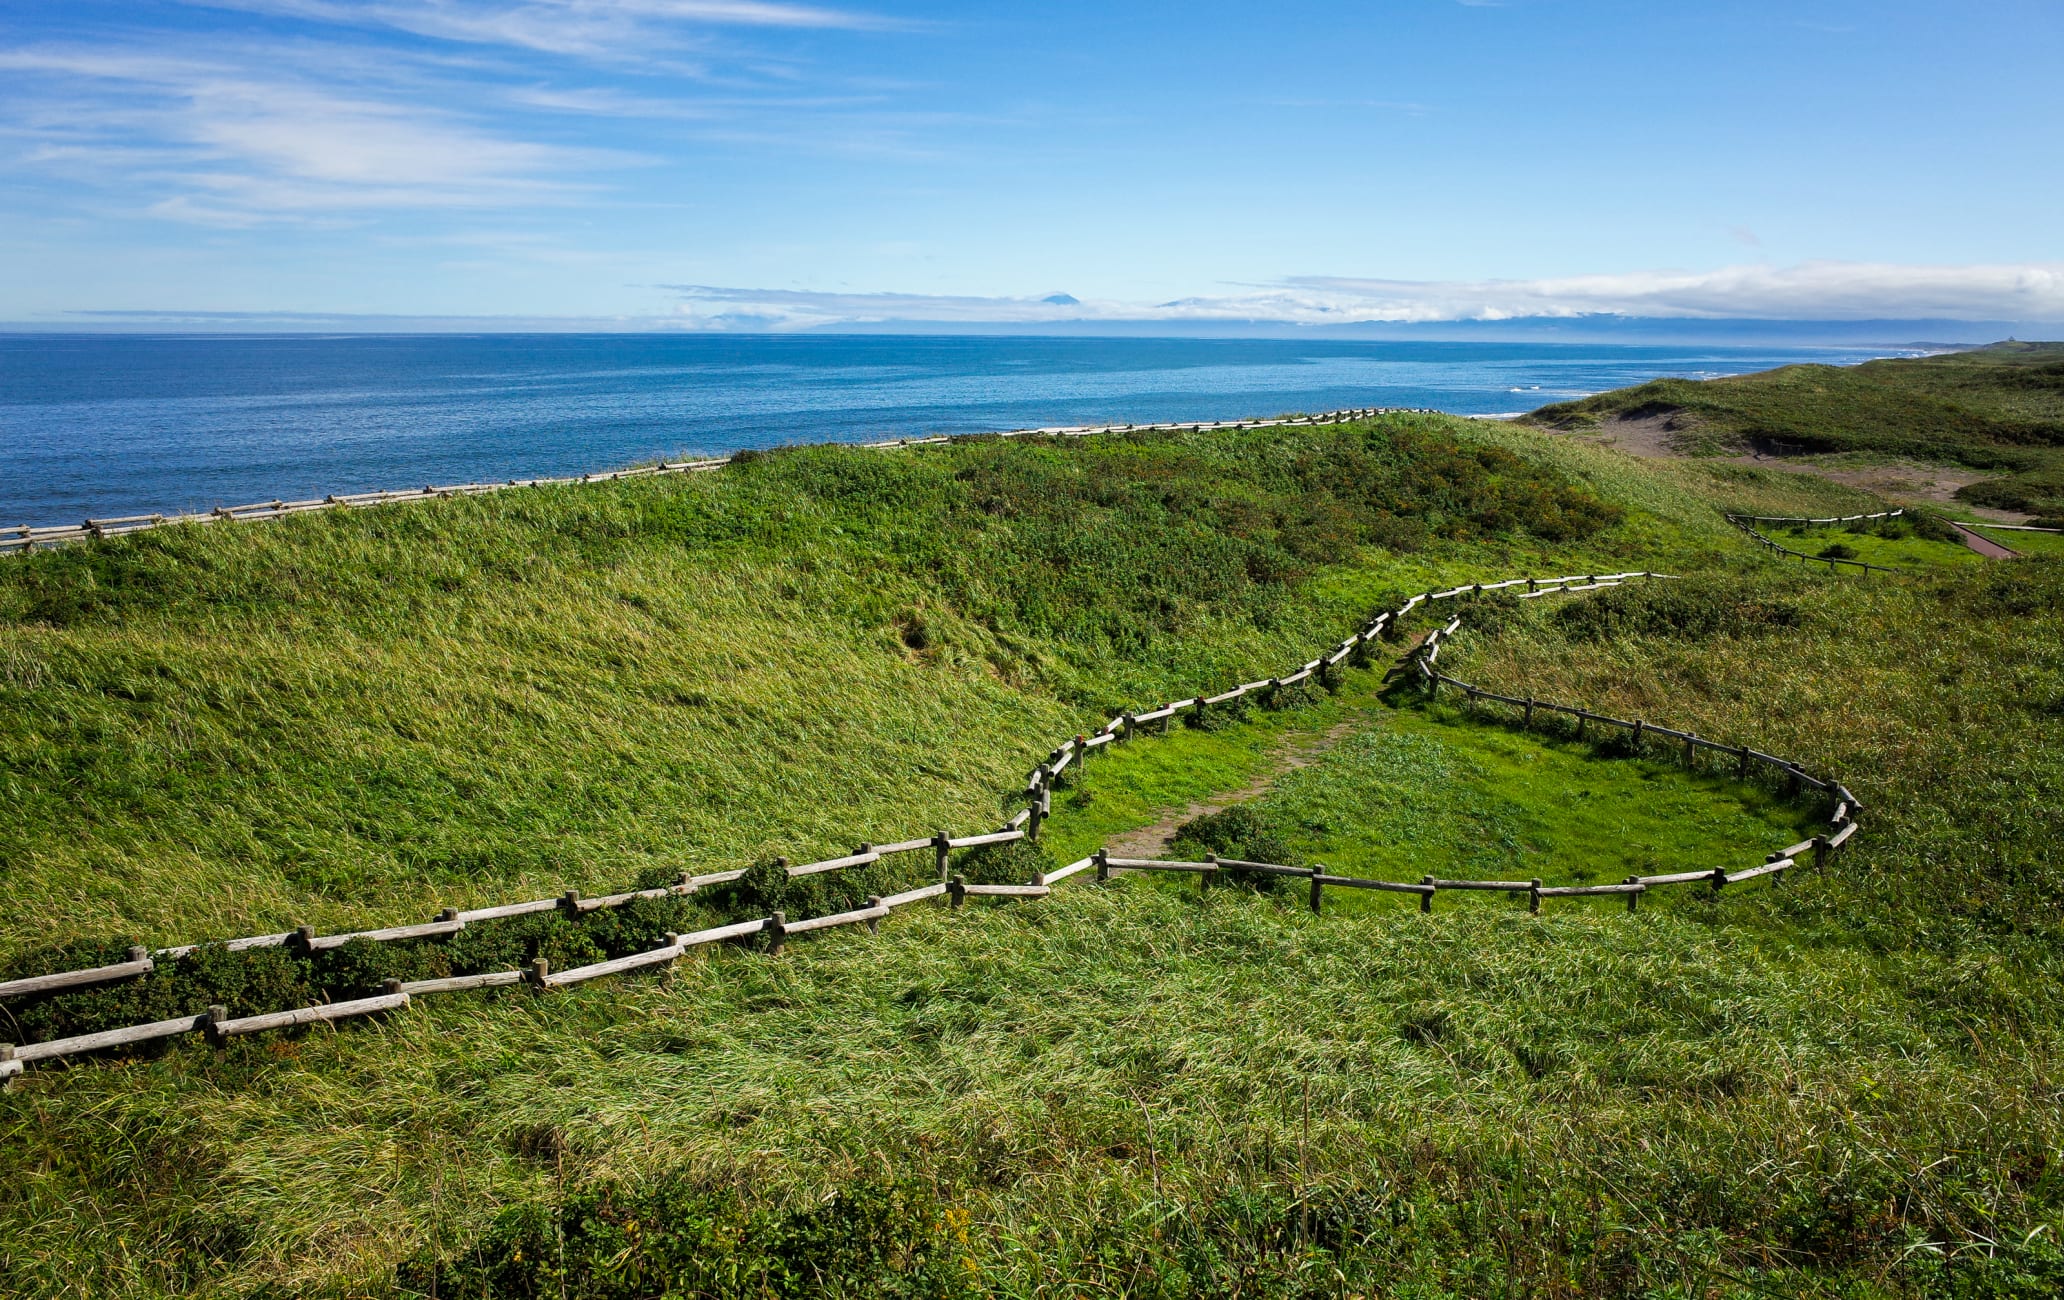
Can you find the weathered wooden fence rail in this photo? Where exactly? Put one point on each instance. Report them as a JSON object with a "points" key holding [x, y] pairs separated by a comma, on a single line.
{"points": [[30, 537], [1743, 521], [1038, 792]]}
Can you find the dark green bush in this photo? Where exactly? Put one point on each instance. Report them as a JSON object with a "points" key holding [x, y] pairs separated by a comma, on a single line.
{"points": [[680, 1240], [767, 887], [1688, 609], [1933, 527], [1014, 862], [248, 983], [1241, 831]]}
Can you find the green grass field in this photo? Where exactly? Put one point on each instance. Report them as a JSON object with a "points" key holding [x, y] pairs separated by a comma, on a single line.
{"points": [[1998, 408], [1843, 1086], [2031, 544]]}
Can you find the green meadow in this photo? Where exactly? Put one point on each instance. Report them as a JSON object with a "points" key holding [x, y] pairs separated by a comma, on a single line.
{"points": [[1999, 408], [1844, 1085]]}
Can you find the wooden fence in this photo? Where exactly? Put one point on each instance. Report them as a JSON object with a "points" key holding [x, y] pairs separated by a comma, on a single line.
{"points": [[29, 538], [1038, 791], [1743, 521]]}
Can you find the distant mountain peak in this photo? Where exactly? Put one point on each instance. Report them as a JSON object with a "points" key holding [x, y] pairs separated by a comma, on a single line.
{"points": [[1062, 300]]}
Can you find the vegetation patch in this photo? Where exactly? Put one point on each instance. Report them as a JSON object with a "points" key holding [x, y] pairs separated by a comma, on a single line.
{"points": [[1691, 609], [1842, 1085], [673, 1238], [1996, 408]]}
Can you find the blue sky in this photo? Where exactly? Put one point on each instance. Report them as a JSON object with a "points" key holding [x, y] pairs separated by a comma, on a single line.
{"points": [[749, 164]]}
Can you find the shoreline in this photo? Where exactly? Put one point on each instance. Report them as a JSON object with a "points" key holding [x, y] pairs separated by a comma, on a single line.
{"points": [[21, 539]]}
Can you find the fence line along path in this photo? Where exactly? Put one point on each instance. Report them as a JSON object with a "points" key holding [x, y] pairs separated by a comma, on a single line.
{"points": [[30, 537], [1743, 521], [1356, 649]]}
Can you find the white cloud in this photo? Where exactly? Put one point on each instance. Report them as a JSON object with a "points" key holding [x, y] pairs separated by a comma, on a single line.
{"points": [[1821, 291], [217, 142], [592, 29], [1824, 290]]}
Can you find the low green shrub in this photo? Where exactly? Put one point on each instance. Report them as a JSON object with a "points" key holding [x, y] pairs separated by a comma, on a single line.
{"points": [[1243, 832], [767, 887], [258, 980], [1014, 862], [677, 1239], [1690, 609]]}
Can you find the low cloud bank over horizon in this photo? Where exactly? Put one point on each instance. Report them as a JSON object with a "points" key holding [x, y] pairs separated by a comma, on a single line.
{"points": [[1815, 291]]}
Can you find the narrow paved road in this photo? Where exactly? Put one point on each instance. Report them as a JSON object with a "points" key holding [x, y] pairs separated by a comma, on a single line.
{"points": [[1985, 546]]}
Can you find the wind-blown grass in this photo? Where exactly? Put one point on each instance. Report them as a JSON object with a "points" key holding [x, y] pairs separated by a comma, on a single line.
{"points": [[1998, 408], [1841, 1086]]}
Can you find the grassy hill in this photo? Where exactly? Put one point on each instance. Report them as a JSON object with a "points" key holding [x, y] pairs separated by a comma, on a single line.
{"points": [[1843, 1086], [1996, 408]]}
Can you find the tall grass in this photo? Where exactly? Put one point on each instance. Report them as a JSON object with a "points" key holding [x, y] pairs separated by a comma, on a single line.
{"points": [[1844, 1086]]}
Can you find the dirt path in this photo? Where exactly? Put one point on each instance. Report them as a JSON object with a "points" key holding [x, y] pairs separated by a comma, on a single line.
{"points": [[1295, 752], [1985, 546]]}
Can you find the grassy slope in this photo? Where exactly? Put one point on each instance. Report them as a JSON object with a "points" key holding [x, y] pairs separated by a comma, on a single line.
{"points": [[1998, 408], [345, 718]]}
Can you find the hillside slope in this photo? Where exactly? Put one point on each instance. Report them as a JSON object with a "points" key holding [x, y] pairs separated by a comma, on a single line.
{"points": [[1843, 1086], [1996, 408]]}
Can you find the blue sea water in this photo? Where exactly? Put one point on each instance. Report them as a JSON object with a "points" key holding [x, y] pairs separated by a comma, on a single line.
{"points": [[98, 425]]}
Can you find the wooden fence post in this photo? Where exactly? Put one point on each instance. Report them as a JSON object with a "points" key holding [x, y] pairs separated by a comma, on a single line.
{"points": [[874, 922], [1741, 764], [777, 933], [1533, 902], [1426, 899], [1527, 723], [1633, 895], [1103, 861], [216, 1015], [1126, 724], [1317, 889], [1690, 742], [1038, 805], [1583, 717], [956, 889], [1820, 852], [1719, 879], [942, 849]]}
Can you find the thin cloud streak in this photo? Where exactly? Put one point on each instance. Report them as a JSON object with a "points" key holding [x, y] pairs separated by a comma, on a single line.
{"points": [[589, 29]]}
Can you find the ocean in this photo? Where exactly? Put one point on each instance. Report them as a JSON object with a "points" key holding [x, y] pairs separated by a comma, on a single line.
{"points": [[100, 425]]}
